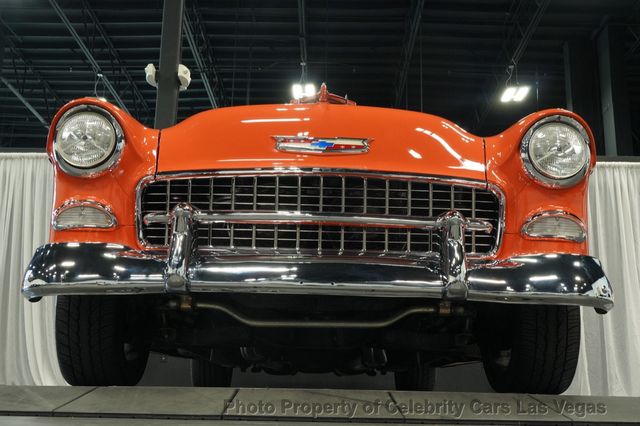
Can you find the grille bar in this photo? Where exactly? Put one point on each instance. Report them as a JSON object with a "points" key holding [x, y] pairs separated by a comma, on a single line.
{"points": [[297, 218], [370, 197]]}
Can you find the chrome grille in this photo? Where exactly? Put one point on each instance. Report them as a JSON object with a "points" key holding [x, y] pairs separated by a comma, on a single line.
{"points": [[410, 197]]}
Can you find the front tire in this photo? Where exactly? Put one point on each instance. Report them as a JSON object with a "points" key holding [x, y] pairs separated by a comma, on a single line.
{"points": [[99, 342], [530, 349]]}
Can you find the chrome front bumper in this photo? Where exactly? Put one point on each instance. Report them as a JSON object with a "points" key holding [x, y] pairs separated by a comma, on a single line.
{"points": [[99, 268]]}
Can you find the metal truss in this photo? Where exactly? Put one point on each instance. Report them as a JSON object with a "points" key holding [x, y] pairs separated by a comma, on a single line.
{"points": [[138, 98], [523, 22], [203, 55], [48, 92], [302, 38], [87, 53], [414, 19]]}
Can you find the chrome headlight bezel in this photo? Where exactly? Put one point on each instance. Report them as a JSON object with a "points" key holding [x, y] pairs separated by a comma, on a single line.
{"points": [[109, 162], [539, 176]]}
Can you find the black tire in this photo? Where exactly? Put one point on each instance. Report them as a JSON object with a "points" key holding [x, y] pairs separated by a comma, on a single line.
{"points": [[98, 342], [208, 374], [418, 377], [531, 349]]}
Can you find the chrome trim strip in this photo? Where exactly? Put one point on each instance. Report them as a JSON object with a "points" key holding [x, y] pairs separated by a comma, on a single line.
{"points": [[81, 203], [555, 213], [502, 207], [323, 172], [146, 180], [540, 177], [109, 163], [288, 217], [100, 268]]}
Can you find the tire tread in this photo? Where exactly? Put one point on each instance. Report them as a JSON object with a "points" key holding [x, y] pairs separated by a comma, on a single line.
{"points": [[89, 342], [544, 352]]}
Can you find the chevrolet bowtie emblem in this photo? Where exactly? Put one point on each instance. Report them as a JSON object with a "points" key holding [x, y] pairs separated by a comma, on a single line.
{"points": [[308, 144]]}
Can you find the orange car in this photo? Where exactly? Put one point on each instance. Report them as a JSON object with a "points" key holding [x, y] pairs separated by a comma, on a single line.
{"points": [[319, 236]]}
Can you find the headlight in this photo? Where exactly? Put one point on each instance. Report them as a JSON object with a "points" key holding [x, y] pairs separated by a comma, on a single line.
{"points": [[555, 151], [88, 140]]}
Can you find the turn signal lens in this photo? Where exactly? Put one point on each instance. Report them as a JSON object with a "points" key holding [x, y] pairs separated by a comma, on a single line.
{"points": [[555, 225], [83, 216]]}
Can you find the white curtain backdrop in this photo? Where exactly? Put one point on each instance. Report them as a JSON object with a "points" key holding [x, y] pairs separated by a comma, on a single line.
{"points": [[610, 354], [610, 348], [27, 344]]}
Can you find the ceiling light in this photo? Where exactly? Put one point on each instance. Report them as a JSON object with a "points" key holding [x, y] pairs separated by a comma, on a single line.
{"points": [[514, 93], [299, 91], [521, 93], [507, 95], [309, 89]]}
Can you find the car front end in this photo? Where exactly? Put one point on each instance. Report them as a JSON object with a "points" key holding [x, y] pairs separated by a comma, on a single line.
{"points": [[377, 233]]}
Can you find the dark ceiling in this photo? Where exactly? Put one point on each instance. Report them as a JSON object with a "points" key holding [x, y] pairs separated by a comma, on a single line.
{"points": [[251, 52]]}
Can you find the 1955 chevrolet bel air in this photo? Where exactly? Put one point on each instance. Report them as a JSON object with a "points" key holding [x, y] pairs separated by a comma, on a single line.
{"points": [[318, 236]]}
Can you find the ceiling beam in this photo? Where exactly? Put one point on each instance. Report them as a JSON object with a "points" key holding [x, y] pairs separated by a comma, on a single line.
{"points": [[635, 44], [633, 18], [513, 55], [114, 54], [207, 50], [13, 90], [528, 33], [414, 19], [203, 67], [29, 65], [302, 37], [24, 101], [87, 53]]}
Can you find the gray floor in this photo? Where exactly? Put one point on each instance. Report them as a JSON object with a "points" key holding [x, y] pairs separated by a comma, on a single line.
{"points": [[165, 396], [84, 421], [170, 371], [20, 405]]}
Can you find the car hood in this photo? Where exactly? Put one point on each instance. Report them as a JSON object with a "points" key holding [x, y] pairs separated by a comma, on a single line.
{"points": [[243, 138]]}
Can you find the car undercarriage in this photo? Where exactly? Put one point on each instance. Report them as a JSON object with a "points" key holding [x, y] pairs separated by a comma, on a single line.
{"points": [[290, 334]]}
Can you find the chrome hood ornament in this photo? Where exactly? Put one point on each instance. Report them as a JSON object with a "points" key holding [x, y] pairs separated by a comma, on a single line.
{"points": [[309, 144]]}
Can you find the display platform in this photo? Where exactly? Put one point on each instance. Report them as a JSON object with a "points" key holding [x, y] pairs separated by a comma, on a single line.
{"points": [[55, 405]]}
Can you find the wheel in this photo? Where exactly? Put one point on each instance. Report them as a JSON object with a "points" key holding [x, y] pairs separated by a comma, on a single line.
{"points": [[418, 377], [530, 349], [99, 341], [208, 374]]}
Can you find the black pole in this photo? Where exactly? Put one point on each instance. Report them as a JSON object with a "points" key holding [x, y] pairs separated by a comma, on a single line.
{"points": [[170, 57]]}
